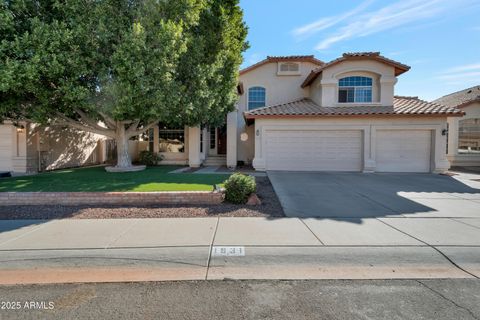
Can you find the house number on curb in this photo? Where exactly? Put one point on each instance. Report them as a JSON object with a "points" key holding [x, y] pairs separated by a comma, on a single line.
{"points": [[229, 251]]}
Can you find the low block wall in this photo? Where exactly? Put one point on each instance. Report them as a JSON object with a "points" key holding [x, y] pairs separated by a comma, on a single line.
{"points": [[109, 198]]}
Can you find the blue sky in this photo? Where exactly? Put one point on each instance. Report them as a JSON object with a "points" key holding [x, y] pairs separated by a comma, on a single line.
{"points": [[439, 39]]}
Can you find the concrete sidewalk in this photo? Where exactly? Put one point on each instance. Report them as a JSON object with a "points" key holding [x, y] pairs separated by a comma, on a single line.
{"points": [[111, 250]]}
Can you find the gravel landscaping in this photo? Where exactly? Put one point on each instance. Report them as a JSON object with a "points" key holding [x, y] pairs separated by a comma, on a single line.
{"points": [[270, 207]]}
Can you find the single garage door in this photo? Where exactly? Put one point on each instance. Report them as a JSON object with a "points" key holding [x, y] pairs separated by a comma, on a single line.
{"points": [[314, 150], [403, 150], [6, 147]]}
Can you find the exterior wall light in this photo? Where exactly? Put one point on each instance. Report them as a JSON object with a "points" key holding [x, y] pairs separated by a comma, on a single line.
{"points": [[20, 129]]}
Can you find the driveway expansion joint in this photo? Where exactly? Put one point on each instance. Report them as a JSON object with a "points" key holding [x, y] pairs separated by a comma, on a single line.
{"points": [[317, 237], [210, 250], [109, 245], [434, 248]]}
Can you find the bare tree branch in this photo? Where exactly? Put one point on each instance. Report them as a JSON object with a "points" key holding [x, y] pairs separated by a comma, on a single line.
{"points": [[109, 122], [61, 120], [89, 121], [133, 126], [143, 129]]}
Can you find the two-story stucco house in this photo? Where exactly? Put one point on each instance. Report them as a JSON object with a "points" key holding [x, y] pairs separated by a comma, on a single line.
{"points": [[302, 114], [299, 113]]}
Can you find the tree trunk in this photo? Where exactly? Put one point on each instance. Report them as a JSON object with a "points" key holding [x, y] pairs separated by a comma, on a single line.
{"points": [[123, 157]]}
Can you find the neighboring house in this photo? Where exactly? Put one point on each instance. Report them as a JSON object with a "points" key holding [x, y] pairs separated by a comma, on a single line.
{"points": [[464, 133], [299, 113]]}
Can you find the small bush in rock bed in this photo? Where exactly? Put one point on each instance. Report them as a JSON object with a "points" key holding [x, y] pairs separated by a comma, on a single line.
{"points": [[238, 187]]}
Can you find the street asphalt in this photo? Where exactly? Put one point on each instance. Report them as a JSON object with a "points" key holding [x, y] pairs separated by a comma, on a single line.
{"points": [[451, 299]]}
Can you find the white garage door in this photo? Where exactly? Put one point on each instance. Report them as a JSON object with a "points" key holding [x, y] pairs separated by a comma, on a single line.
{"points": [[314, 150], [6, 148], [403, 150]]}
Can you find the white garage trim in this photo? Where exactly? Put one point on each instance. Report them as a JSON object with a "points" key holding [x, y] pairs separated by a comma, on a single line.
{"points": [[403, 150], [369, 127]]}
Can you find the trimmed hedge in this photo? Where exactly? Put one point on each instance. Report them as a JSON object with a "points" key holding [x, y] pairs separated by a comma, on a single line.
{"points": [[239, 187], [149, 158]]}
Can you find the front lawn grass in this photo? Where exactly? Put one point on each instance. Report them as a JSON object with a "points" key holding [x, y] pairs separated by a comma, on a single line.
{"points": [[97, 179]]}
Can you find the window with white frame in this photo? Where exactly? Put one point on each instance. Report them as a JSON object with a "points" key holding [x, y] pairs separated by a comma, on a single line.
{"points": [[171, 139], [469, 136], [256, 98], [289, 67], [355, 89]]}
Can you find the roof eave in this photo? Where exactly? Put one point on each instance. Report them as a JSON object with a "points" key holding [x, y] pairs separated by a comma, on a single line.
{"points": [[399, 68], [264, 116]]}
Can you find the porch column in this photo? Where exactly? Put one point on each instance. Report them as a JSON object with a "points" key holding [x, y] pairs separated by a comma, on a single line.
{"points": [[369, 143], [232, 139], [441, 164], [194, 147], [452, 137], [156, 138]]}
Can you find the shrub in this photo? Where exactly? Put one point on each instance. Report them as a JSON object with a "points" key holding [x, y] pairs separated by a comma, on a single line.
{"points": [[238, 188], [149, 158]]}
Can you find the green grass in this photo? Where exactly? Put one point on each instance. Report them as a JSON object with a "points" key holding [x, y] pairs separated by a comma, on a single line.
{"points": [[97, 179]]}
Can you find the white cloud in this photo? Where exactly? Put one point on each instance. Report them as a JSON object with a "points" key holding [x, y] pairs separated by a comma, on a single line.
{"points": [[460, 76], [327, 22], [467, 67], [466, 72], [359, 22]]}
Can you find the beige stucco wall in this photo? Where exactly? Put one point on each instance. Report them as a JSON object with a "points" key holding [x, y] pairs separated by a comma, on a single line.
{"points": [[324, 91], [278, 89], [462, 159], [33, 147], [60, 147], [7, 146], [369, 128]]}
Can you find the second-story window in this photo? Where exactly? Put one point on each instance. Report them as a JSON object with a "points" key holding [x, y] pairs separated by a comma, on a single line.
{"points": [[355, 89], [289, 67], [256, 98]]}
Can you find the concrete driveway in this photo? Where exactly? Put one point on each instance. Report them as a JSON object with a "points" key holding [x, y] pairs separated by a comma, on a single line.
{"points": [[354, 196]]}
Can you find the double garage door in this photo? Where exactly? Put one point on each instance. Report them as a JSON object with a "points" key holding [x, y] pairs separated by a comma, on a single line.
{"points": [[342, 150]]}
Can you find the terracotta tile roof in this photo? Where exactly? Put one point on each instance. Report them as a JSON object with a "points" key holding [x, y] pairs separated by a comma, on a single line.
{"points": [[399, 67], [269, 59], [402, 106], [461, 98]]}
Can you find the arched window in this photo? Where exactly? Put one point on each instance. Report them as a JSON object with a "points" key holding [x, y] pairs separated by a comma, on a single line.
{"points": [[256, 98], [355, 89]]}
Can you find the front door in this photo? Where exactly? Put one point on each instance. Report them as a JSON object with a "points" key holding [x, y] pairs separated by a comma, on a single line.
{"points": [[222, 140]]}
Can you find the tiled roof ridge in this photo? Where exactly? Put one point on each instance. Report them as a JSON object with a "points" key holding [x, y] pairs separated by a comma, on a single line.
{"points": [[401, 106], [308, 58], [459, 91]]}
